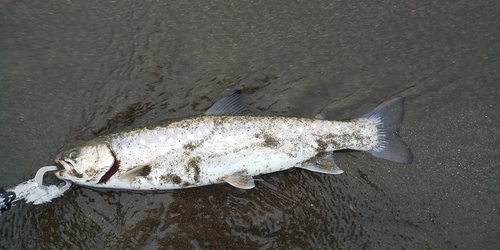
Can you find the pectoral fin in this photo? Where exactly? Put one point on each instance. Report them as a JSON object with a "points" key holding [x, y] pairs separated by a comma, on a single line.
{"points": [[130, 175], [240, 180], [323, 163]]}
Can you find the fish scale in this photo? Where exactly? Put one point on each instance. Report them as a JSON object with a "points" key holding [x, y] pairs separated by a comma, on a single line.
{"points": [[224, 146]]}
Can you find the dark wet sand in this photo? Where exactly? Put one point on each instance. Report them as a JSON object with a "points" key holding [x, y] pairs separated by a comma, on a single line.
{"points": [[72, 70]]}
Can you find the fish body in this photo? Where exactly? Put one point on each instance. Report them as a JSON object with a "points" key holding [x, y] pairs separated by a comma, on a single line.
{"points": [[216, 148]]}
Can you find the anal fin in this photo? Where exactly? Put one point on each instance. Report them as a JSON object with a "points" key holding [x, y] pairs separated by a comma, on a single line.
{"points": [[322, 163], [240, 180]]}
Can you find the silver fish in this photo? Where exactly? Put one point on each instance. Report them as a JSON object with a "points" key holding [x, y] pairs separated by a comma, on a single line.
{"points": [[224, 146]]}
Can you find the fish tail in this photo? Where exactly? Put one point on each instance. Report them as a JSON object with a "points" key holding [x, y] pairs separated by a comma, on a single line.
{"points": [[388, 117]]}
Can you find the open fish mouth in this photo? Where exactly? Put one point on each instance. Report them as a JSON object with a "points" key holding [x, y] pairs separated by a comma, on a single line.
{"points": [[68, 167]]}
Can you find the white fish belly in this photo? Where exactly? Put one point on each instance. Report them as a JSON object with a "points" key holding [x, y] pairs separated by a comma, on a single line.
{"points": [[203, 150]]}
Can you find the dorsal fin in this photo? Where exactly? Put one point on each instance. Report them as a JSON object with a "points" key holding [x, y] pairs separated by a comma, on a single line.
{"points": [[228, 105]]}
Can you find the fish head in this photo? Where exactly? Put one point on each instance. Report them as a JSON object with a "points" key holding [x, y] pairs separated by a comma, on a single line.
{"points": [[85, 164]]}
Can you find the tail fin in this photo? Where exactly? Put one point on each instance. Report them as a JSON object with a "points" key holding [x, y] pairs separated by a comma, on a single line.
{"points": [[388, 117]]}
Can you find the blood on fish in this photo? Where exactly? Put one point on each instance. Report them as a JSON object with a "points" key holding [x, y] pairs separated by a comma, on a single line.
{"points": [[112, 170]]}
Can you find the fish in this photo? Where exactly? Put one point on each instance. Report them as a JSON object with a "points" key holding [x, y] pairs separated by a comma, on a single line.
{"points": [[228, 145]]}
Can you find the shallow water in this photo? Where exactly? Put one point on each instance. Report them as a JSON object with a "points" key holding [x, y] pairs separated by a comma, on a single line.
{"points": [[70, 71]]}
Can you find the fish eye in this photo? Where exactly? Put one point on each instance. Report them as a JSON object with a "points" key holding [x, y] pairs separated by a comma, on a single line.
{"points": [[73, 154]]}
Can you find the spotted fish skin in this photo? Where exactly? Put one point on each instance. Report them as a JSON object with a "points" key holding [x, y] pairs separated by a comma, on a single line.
{"points": [[210, 149]]}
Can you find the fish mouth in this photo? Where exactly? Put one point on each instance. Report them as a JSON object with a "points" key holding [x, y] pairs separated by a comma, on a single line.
{"points": [[68, 167]]}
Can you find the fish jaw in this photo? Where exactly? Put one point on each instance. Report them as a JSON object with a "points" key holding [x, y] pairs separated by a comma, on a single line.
{"points": [[68, 169]]}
